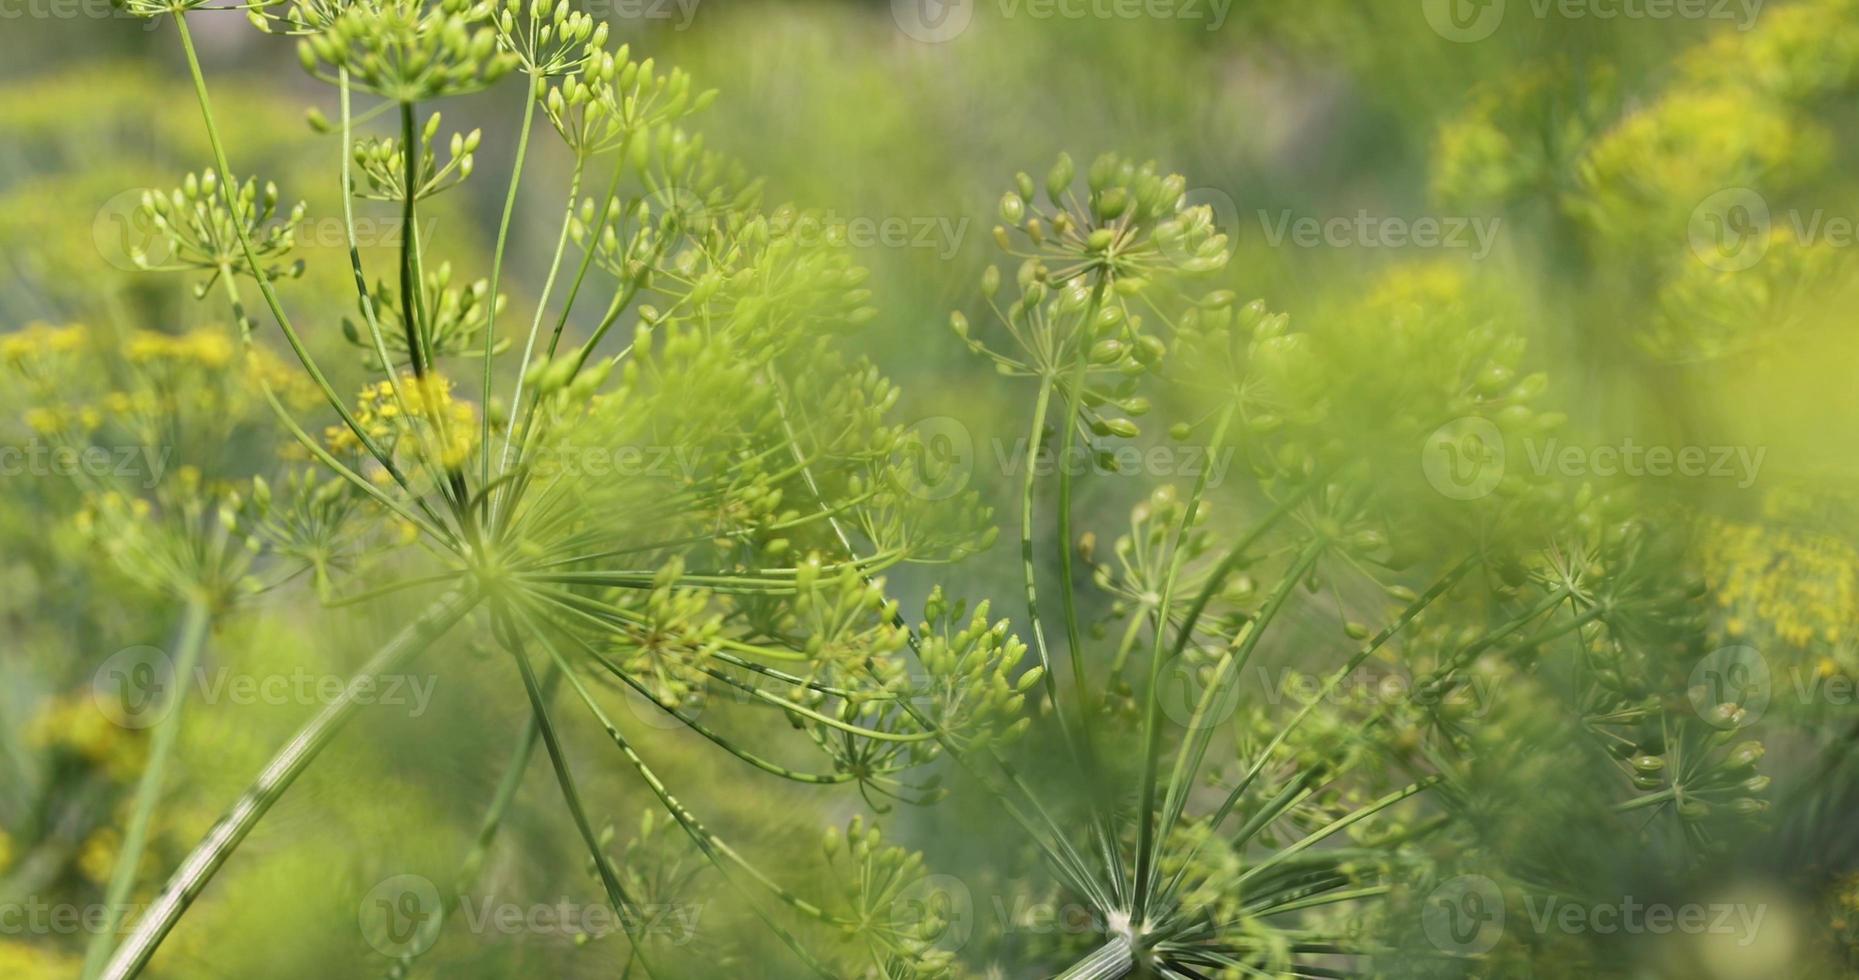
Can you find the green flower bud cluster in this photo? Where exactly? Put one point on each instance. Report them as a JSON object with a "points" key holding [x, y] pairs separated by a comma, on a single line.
{"points": [[609, 99], [1142, 561], [670, 636], [455, 318], [975, 688], [190, 540], [1707, 314], [383, 163], [692, 202], [771, 281], [879, 908], [549, 39], [1102, 280], [202, 233], [311, 521], [407, 50], [842, 620], [1130, 222]]}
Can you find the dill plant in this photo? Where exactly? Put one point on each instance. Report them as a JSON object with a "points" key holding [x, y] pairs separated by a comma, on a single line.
{"points": [[732, 571], [1296, 839]]}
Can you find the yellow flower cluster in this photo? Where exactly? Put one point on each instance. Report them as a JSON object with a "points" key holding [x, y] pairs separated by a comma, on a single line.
{"points": [[1800, 587], [448, 426], [1794, 52], [74, 723], [207, 348], [40, 340], [1641, 181], [30, 961]]}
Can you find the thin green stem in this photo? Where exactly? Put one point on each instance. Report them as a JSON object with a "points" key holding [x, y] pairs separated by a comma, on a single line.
{"points": [[228, 188], [531, 94], [622, 902], [190, 641], [1147, 848]]}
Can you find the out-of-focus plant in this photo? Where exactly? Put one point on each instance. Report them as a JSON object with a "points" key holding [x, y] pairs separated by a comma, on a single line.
{"points": [[1203, 854]]}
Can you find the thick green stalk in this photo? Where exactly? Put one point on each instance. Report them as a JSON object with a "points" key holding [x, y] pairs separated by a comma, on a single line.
{"points": [[251, 257], [212, 852], [191, 640], [1112, 960], [412, 303], [403, 418]]}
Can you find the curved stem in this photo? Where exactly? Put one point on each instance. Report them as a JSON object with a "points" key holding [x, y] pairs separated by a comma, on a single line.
{"points": [[212, 852]]}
